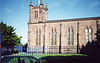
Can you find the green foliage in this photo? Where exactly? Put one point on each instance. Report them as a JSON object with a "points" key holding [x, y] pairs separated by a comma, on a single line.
{"points": [[92, 48], [98, 33], [41, 55], [25, 45], [10, 38]]}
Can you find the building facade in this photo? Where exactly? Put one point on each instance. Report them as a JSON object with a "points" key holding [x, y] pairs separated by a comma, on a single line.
{"points": [[58, 36]]}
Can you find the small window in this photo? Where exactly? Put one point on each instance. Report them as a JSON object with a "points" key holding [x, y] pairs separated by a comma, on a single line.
{"points": [[36, 14]]}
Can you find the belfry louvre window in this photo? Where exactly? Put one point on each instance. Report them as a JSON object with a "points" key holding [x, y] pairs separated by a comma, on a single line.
{"points": [[36, 14]]}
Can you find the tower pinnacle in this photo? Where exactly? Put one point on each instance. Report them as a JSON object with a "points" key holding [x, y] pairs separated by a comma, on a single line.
{"points": [[46, 6], [31, 2], [41, 3]]}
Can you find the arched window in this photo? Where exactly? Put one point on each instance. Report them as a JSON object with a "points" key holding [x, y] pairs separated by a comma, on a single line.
{"points": [[72, 36], [86, 34], [68, 36], [90, 35], [54, 37], [37, 37]]}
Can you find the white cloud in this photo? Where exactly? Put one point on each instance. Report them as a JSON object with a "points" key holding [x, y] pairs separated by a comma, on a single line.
{"points": [[22, 33], [8, 10], [72, 3], [66, 3], [24, 40], [94, 4], [55, 4]]}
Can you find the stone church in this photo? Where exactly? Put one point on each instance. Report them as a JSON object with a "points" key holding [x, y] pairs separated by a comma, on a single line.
{"points": [[58, 36]]}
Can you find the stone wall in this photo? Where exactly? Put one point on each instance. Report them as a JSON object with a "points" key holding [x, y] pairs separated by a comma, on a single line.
{"points": [[61, 40]]}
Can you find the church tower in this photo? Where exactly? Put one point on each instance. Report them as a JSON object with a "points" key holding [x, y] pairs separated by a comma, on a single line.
{"points": [[38, 13]]}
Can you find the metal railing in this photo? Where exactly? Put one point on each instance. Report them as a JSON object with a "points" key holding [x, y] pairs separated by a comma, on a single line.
{"points": [[15, 50]]}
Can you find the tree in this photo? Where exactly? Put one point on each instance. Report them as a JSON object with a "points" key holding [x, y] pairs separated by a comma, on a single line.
{"points": [[10, 38], [25, 47], [98, 34], [93, 48]]}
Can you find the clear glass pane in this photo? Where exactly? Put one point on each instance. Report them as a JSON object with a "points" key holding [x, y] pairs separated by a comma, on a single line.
{"points": [[86, 32], [90, 35], [68, 37]]}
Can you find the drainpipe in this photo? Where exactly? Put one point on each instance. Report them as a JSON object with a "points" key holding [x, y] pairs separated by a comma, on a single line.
{"points": [[44, 41], [78, 38], [60, 39]]}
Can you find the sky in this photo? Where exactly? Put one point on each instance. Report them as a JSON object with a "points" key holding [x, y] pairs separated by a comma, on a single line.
{"points": [[16, 12]]}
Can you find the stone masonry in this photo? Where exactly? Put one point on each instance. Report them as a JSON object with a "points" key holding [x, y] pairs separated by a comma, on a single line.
{"points": [[45, 27]]}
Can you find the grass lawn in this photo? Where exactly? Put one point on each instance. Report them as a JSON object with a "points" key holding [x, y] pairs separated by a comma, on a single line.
{"points": [[41, 55], [64, 58]]}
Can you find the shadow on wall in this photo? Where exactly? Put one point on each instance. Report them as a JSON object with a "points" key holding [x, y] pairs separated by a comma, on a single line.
{"points": [[91, 49], [70, 59]]}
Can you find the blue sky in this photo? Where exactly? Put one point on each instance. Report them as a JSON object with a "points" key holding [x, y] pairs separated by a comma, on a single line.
{"points": [[16, 12]]}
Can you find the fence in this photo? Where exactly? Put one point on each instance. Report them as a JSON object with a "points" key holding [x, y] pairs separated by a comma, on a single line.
{"points": [[1, 36], [15, 50]]}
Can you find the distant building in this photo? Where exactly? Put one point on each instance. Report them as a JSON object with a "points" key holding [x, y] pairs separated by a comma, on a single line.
{"points": [[58, 36]]}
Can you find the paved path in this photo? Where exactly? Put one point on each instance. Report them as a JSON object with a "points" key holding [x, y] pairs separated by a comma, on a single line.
{"points": [[18, 53], [14, 54]]}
